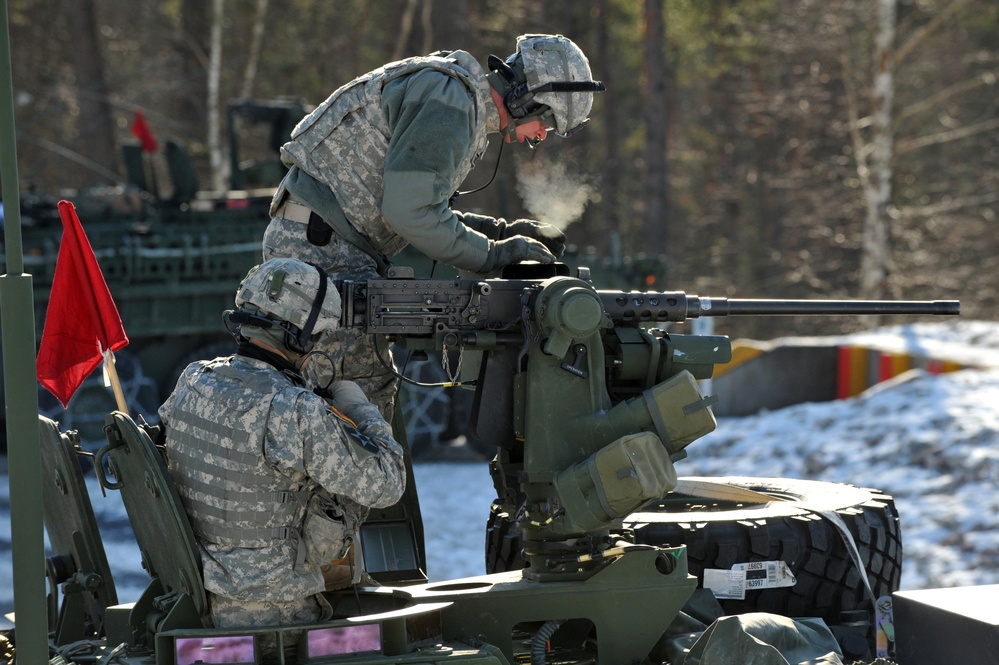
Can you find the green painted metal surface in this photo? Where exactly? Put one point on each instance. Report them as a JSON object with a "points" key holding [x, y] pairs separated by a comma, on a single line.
{"points": [[21, 402]]}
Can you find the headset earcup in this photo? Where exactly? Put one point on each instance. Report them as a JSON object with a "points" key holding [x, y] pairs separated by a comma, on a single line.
{"points": [[514, 100]]}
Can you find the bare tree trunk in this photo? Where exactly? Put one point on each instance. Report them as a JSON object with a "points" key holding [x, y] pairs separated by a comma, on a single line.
{"points": [[426, 21], [609, 180], [405, 30], [452, 26], [95, 135], [654, 94], [877, 179], [186, 103], [215, 150], [256, 43]]}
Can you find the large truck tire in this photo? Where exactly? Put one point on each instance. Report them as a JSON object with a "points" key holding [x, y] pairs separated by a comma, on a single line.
{"points": [[797, 527], [425, 409], [435, 415]]}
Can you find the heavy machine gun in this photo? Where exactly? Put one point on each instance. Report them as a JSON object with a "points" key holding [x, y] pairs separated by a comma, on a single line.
{"points": [[588, 405], [569, 380]]}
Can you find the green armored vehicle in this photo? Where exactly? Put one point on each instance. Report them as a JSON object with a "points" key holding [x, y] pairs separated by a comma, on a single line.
{"points": [[587, 409], [170, 259]]}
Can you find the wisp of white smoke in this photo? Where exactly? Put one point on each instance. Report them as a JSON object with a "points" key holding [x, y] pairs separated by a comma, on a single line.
{"points": [[550, 194]]}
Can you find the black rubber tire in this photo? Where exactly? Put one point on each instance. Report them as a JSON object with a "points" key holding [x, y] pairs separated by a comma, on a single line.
{"points": [[425, 409], [828, 583], [502, 542], [719, 534]]}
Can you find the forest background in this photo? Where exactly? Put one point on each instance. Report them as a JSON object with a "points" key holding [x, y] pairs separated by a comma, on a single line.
{"points": [[758, 148]]}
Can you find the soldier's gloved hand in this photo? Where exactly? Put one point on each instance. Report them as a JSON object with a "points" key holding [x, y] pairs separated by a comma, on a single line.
{"points": [[500, 229], [348, 398], [514, 250], [490, 227], [550, 236]]}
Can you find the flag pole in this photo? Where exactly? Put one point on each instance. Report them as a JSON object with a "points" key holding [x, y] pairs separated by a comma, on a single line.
{"points": [[112, 372]]}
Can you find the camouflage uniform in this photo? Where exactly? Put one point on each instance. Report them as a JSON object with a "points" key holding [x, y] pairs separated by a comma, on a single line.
{"points": [[378, 161], [253, 453]]}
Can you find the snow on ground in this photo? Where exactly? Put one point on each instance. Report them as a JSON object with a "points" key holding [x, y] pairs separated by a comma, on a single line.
{"points": [[930, 441]]}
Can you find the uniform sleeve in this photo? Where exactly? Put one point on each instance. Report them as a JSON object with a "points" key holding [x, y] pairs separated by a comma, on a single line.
{"points": [[367, 468], [432, 119]]}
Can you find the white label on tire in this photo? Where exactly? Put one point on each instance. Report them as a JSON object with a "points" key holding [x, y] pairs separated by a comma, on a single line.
{"points": [[756, 575], [725, 583]]}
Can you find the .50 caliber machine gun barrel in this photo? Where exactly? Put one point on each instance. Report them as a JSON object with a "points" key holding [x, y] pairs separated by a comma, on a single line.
{"points": [[678, 306]]}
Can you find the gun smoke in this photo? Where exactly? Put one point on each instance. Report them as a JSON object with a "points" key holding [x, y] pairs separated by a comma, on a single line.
{"points": [[550, 194]]}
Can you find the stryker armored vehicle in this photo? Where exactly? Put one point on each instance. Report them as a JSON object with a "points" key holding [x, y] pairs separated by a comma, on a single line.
{"points": [[587, 410], [170, 254]]}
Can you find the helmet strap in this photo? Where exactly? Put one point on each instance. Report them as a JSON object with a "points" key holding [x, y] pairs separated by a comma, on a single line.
{"points": [[305, 336], [558, 46]]}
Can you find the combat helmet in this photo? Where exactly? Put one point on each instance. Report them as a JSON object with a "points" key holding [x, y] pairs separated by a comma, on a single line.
{"points": [[289, 299], [548, 77]]}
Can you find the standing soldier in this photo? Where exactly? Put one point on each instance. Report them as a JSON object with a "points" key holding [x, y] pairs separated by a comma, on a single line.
{"points": [[376, 166]]}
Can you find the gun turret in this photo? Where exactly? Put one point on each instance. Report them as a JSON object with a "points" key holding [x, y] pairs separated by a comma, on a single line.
{"points": [[587, 407]]}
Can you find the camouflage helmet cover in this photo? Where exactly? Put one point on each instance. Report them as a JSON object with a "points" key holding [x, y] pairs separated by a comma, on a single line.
{"points": [[285, 290], [556, 59]]}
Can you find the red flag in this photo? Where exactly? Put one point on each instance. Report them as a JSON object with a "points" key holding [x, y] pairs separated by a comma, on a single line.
{"points": [[82, 318], [141, 131]]}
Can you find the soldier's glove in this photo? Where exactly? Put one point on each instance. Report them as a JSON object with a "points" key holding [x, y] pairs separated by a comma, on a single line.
{"points": [[500, 229], [348, 398], [546, 234], [514, 250]]}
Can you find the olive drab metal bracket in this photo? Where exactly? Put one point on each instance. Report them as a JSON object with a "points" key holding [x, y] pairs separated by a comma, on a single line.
{"points": [[175, 596], [78, 561]]}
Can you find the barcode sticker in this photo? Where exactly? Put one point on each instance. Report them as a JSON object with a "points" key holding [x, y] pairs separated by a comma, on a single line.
{"points": [[756, 575]]}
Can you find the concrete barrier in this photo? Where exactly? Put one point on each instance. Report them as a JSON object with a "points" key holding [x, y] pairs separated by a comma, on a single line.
{"points": [[778, 373]]}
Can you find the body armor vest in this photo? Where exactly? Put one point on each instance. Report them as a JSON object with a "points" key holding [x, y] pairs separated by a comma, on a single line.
{"points": [[232, 496], [343, 143]]}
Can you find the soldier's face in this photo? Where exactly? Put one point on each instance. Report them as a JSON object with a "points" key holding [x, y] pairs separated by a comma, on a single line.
{"points": [[534, 132]]}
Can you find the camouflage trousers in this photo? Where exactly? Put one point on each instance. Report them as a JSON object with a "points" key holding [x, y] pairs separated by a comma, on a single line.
{"points": [[230, 613], [354, 355]]}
